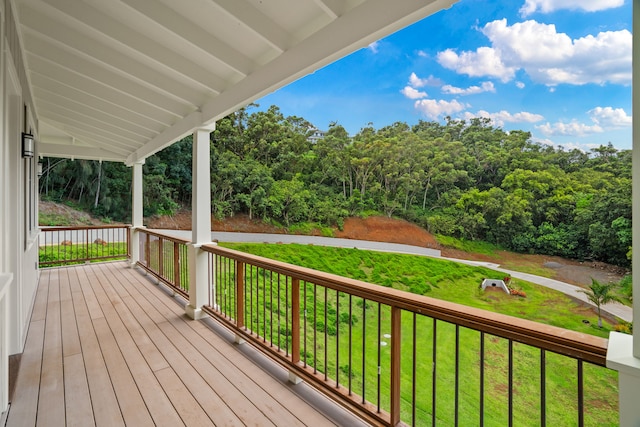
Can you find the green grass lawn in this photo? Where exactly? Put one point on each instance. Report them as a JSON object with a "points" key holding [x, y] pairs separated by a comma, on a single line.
{"points": [[56, 255], [457, 283], [436, 278]]}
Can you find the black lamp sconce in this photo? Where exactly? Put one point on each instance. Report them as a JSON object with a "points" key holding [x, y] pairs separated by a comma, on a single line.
{"points": [[27, 145]]}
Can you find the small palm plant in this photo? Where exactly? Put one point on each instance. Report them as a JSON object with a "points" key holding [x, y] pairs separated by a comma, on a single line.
{"points": [[599, 294]]}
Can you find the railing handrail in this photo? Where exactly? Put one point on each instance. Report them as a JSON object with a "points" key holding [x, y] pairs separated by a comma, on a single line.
{"points": [[574, 344], [82, 227], [172, 275], [166, 236], [84, 239]]}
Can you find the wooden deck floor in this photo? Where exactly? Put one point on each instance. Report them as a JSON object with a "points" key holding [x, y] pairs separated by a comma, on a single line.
{"points": [[106, 346]]}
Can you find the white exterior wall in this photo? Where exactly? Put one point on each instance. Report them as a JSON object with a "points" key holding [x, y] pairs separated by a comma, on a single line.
{"points": [[18, 210], [22, 241]]}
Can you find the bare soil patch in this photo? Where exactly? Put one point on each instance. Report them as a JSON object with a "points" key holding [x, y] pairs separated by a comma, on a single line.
{"points": [[383, 229], [73, 216]]}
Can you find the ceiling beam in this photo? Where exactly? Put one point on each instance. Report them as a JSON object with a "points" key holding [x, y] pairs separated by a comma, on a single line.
{"points": [[333, 8], [138, 42], [257, 22], [92, 113], [101, 92], [46, 109], [77, 152], [172, 134], [172, 21], [91, 134], [77, 64], [44, 85], [57, 32]]}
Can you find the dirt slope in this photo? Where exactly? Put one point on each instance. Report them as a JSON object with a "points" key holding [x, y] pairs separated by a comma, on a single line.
{"points": [[383, 229]]}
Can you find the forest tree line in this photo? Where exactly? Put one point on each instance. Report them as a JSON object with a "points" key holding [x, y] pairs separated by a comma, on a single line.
{"points": [[467, 179]]}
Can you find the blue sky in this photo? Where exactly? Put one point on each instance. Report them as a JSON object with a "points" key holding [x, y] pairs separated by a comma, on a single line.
{"points": [[560, 69]]}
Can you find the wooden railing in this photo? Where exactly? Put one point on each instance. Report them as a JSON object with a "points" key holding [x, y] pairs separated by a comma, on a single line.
{"points": [[74, 245], [165, 258], [394, 357]]}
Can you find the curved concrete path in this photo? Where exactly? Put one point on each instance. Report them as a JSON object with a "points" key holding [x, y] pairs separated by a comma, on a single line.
{"points": [[616, 309]]}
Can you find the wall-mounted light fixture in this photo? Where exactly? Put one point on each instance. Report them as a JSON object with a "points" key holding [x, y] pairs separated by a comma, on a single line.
{"points": [[27, 145], [39, 169]]}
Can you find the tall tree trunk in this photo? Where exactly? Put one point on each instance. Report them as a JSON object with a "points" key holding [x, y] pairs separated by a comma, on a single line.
{"points": [[424, 198], [95, 203]]}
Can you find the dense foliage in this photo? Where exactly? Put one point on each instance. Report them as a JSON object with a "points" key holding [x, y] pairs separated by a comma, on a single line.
{"points": [[466, 179]]}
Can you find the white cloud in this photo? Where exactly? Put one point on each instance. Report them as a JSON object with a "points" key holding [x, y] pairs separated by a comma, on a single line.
{"points": [[417, 82], [548, 57], [501, 117], [573, 128], [520, 85], [543, 141], [412, 93], [472, 90], [483, 62], [547, 6], [604, 118], [433, 109], [584, 147], [373, 47], [609, 117], [566, 146], [528, 42]]}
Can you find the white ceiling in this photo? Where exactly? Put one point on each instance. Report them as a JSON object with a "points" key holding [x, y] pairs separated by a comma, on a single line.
{"points": [[121, 79]]}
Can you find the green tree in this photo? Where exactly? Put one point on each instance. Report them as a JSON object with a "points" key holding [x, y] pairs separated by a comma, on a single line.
{"points": [[256, 184], [289, 201], [600, 294]]}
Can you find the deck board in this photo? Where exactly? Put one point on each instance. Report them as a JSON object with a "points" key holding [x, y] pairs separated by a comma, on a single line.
{"points": [[51, 397], [79, 411], [151, 392], [107, 412], [70, 337], [24, 406], [109, 347]]}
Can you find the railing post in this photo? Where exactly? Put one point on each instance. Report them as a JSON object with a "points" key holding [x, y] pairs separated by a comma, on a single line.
{"points": [[295, 328], [295, 320], [147, 249], [240, 294], [161, 257], [239, 285], [127, 232], [176, 264], [396, 328]]}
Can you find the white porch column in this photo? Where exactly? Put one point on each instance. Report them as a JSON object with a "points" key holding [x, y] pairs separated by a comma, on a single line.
{"points": [[623, 353], [200, 223], [136, 211]]}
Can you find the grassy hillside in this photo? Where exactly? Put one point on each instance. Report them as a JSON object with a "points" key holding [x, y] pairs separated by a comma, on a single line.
{"points": [[436, 278]]}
